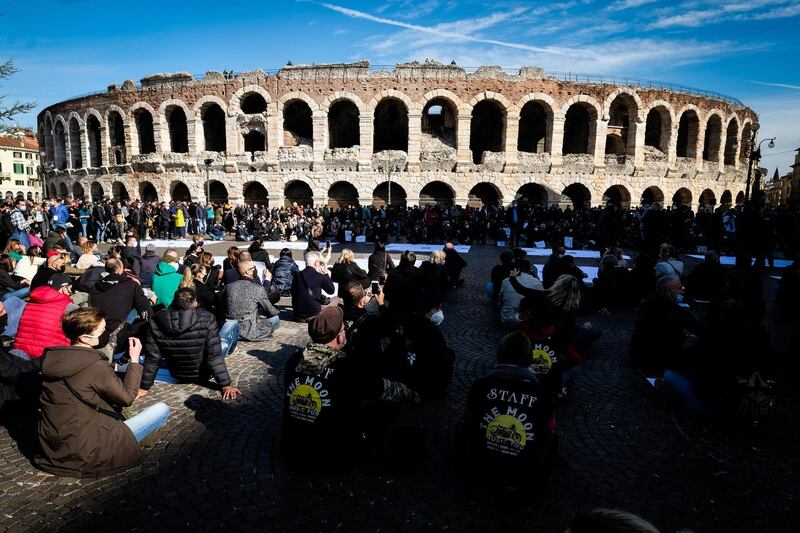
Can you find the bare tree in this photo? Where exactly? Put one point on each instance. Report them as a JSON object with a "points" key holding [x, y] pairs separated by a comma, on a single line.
{"points": [[7, 69]]}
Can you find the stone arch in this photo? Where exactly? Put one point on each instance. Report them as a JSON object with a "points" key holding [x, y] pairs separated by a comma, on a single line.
{"points": [[297, 95], [688, 132], [536, 113], [210, 115], [48, 137], [484, 194], [217, 192], [77, 191], [380, 195], [204, 101], [487, 130], [94, 137], [51, 189], [338, 96], [533, 193], [707, 200], [439, 119], [621, 110], [75, 144], [726, 199], [299, 191], [96, 191], [119, 191], [731, 141], [298, 123], [739, 198], [653, 195], [341, 194], [580, 125], [392, 93], [437, 193], [148, 192], [142, 121], [682, 197], [713, 136], [236, 100], [578, 194], [628, 93], [390, 125], [344, 123], [254, 193], [74, 115], [744, 142], [179, 192], [115, 135], [60, 143], [63, 191], [173, 116], [659, 122], [618, 195]]}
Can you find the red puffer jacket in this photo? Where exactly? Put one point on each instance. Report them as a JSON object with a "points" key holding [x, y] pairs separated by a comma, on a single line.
{"points": [[40, 324]]}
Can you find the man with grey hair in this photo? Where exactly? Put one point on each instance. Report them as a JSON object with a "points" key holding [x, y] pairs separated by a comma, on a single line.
{"points": [[307, 287], [247, 302]]}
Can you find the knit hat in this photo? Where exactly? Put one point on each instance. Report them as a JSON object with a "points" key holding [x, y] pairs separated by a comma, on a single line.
{"points": [[150, 248], [327, 325]]}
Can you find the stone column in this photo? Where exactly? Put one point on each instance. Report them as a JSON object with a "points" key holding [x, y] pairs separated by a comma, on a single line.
{"points": [[274, 134], [85, 153], [126, 135], [701, 142], [192, 135], [414, 141], [599, 148], [365, 136], [672, 152], [231, 136], [557, 142], [510, 143], [463, 154], [638, 146], [320, 133], [67, 151]]}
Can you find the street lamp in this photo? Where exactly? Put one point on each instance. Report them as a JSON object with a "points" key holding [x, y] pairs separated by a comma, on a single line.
{"points": [[755, 156], [390, 164], [208, 180], [42, 170]]}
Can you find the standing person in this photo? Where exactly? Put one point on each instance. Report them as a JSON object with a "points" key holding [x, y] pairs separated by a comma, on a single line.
{"points": [[80, 430], [180, 222], [84, 214], [100, 222], [21, 222]]}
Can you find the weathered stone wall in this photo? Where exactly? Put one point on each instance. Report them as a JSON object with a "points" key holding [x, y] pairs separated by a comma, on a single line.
{"points": [[280, 162]]}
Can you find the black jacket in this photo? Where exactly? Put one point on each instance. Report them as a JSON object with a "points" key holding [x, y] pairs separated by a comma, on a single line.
{"points": [[379, 263], [263, 256], [346, 273], [149, 263], [7, 282], [403, 290], [659, 336], [189, 343], [307, 287], [117, 295], [283, 272]]}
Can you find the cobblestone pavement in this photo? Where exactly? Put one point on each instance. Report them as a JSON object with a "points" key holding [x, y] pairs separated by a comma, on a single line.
{"points": [[217, 465]]}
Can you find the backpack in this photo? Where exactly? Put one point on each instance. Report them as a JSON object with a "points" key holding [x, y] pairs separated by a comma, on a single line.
{"points": [[757, 401], [6, 226]]}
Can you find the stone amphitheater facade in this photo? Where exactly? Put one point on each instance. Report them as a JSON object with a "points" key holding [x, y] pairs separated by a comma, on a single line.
{"points": [[338, 133]]}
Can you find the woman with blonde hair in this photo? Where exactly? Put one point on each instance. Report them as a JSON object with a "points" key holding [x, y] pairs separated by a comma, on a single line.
{"points": [[28, 266], [15, 249], [194, 278], [89, 256], [346, 271]]}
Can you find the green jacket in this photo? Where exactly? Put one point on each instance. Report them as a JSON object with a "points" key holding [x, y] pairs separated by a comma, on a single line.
{"points": [[165, 282]]}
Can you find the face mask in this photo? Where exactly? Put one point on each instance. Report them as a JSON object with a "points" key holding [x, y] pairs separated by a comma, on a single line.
{"points": [[437, 317], [23, 208]]}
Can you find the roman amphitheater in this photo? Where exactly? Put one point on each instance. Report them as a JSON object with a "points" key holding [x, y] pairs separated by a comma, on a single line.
{"points": [[429, 132]]}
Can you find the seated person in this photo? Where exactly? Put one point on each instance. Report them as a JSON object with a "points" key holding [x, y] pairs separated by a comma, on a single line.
{"points": [[283, 271], [324, 390], [77, 249], [613, 288], [184, 339], [510, 298], [28, 265], [500, 272], [81, 442], [403, 286], [10, 313], [454, 264], [707, 279], [216, 232], [307, 287], [257, 253], [507, 437], [149, 263], [55, 264], [346, 271], [40, 323], [11, 286], [166, 278], [247, 302], [242, 234]]}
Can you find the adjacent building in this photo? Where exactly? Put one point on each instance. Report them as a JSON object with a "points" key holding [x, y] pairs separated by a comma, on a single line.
{"points": [[777, 190], [19, 164]]}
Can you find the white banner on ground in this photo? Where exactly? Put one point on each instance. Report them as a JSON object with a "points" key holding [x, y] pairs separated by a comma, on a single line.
{"points": [[584, 254], [426, 248], [279, 245], [731, 261], [164, 243], [590, 271]]}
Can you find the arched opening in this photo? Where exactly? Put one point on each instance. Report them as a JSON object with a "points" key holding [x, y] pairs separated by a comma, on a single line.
{"points": [[178, 131], [75, 143], [579, 129], [254, 141], [579, 195], [707, 200], [298, 128], [342, 194], [739, 198], [439, 118], [147, 192], [653, 195], [726, 199], [390, 125], [688, 130], [617, 195], [77, 191], [343, 125], [487, 129], [180, 192], [116, 137], [51, 190], [10, 195], [658, 129], [144, 131], [29, 196], [256, 193], [298, 191], [533, 126], [533, 194], [615, 145], [119, 191], [252, 103], [380, 196], [731, 142], [621, 128], [682, 196], [484, 194], [747, 134], [95, 141], [436, 193], [48, 139], [63, 192], [213, 118], [217, 192], [713, 139], [60, 146]]}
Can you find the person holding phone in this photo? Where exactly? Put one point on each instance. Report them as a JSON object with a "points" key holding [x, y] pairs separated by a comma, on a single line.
{"points": [[346, 271]]}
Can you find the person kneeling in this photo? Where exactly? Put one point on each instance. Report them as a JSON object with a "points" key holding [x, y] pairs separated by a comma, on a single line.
{"points": [[81, 431], [508, 421], [186, 337]]}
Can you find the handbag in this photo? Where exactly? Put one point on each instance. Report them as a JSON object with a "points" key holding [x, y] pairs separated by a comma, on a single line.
{"points": [[113, 414]]}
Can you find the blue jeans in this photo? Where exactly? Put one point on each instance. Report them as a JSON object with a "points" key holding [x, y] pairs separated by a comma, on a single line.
{"points": [[19, 293], [84, 225], [22, 237], [132, 316], [229, 336], [201, 226], [275, 321], [99, 232], [687, 393], [149, 420]]}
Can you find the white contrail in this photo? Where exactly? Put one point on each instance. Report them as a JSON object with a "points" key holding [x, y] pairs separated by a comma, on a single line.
{"points": [[782, 85]]}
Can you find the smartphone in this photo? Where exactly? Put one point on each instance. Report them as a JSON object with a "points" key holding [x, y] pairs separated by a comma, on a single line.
{"points": [[328, 244], [376, 288]]}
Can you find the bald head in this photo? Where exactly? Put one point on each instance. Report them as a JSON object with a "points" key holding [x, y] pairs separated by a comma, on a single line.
{"points": [[114, 266], [246, 268], [245, 256]]}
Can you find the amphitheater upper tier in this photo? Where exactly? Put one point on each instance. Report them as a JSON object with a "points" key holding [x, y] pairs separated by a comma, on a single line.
{"points": [[340, 133]]}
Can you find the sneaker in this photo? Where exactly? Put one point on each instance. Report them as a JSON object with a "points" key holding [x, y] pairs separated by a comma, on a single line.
{"points": [[234, 351]]}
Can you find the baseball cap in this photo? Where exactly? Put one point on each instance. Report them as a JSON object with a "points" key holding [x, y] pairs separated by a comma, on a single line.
{"points": [[58, 280], [51, 253], [327, 325]]}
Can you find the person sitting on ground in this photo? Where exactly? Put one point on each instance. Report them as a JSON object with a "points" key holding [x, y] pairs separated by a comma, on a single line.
{"points": [[132, 253], [232, 274], [404, 287], [307, 287], [668, 263], [257, 253], [19, 378], [659, 335], [247, 302], [149, 264], [81, 431], [166, 278], [40, 323], [455, 264], [76, 250], [552, 268], [193, 278], [508, 423], [283, 271], [325, 393], [433, 275], [499, 273], [346, 271], [379, 263], [184, 339], [707, 279], [192, 254], [242, 234], [55, 263], [57, 239], [122, 299], [10, 313], [613, 288], [88, 256], [14, 249], [28, 266], [11, 286], [216, 232], [510, 298]]}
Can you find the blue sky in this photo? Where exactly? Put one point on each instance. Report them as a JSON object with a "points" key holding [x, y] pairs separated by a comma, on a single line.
{"points": [[747, 49]]}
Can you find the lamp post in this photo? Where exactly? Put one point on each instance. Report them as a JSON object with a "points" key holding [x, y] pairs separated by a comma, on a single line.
{"points": [[755, 156], [389, 170], [42, 169], [208, 180]]}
